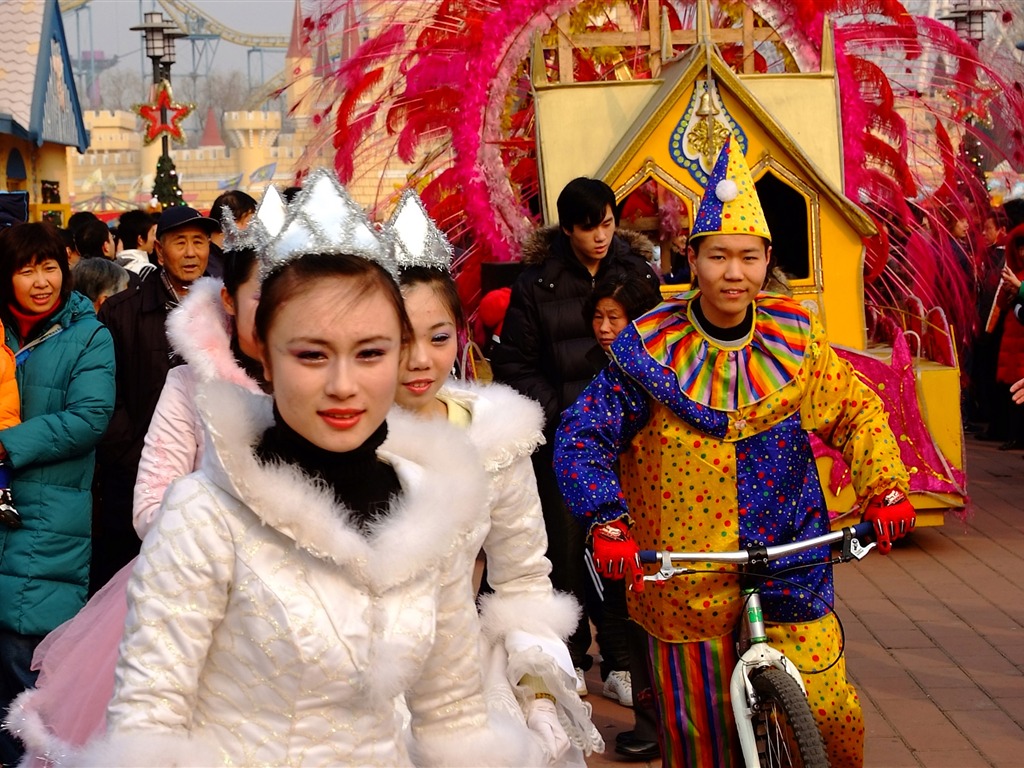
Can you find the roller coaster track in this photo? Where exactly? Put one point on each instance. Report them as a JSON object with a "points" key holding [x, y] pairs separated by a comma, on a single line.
{"points": [[195, 21], [268, 90]]}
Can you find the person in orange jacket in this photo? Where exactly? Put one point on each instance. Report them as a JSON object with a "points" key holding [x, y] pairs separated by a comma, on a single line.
{"points": [[10, 414]]}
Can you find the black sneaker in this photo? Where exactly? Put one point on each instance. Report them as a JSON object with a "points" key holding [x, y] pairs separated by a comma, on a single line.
{"points": [[634, 749]]}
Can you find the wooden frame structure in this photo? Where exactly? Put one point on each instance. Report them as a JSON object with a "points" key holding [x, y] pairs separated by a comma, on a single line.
{"points": [[658, 38]]}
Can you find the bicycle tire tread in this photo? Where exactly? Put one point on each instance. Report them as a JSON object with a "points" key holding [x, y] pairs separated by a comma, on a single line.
{"points": [[773, 684]]}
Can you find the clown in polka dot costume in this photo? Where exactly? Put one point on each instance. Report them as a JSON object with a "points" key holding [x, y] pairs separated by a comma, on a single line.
{"points": [[712, 421]]}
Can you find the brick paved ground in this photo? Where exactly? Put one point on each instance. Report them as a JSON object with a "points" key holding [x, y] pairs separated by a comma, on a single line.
{"points": [[935, 635]]}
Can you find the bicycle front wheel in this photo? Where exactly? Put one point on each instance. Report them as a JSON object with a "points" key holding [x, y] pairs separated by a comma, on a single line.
{"points": [[784, 728]]}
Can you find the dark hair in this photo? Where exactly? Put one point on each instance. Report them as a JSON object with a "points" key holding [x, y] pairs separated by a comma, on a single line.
{"points": [[288, 280], [290, 193], [443, 286], [636, 294], [1014, 242], [79, 218], [236, 201], [584, 202], [90, 237], [68, 237], [26, 244], [999, 218], [238, 267], [134, 226], [95, 277]]}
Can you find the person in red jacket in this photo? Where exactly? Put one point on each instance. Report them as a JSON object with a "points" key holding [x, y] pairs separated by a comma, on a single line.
{"points": [[1010, 362]]}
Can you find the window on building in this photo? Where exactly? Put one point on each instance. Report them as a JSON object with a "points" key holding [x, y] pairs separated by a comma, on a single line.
{"points": [[16, 175], [786, 212]]}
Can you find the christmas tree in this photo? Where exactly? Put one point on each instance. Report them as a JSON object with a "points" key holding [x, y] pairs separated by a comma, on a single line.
{"points": [[166, 188], [972, 163]]}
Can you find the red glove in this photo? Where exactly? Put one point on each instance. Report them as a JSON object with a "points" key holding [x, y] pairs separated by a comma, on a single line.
{"points": [[616, 554], [894, 517]]}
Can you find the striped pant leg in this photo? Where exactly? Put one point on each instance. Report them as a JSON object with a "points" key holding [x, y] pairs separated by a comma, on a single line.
{"points": [[691, 685]]}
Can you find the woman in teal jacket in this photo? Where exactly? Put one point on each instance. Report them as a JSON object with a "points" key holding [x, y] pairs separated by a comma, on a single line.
{"points": [[65, 374]]}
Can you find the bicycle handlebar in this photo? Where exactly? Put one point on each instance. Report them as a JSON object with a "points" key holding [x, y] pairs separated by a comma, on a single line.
{"points": [[851, 538]]}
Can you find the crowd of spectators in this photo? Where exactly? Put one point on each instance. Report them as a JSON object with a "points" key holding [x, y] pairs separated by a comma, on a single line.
{"points": [[86, 310]]}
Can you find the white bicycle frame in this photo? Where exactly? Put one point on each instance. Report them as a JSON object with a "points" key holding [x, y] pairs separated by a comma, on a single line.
{"points": [[744, 699], [760, 654]]}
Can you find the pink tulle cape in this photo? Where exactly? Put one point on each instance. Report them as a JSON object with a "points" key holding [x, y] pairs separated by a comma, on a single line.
{"points": [[76, 676]]}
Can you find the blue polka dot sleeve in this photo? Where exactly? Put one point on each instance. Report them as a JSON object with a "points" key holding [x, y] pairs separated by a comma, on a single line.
{"points": [[593, 432]]}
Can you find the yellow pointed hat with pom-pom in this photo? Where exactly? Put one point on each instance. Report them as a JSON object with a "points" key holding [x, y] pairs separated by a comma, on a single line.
{"points": [[730, 205]]}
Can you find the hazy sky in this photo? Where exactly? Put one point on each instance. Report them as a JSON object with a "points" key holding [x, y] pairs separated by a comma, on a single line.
{"points": [[103, 25]]}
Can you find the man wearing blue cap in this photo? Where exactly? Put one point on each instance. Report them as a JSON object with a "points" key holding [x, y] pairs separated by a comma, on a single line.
{"points": [[136, 319]]}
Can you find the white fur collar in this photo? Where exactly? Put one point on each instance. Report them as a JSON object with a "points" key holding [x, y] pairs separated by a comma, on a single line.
{"points": [[443, 484], [506, 426], [200, 331]]}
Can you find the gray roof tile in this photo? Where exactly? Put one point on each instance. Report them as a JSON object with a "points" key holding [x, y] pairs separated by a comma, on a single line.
{"points": [[21, 23]]}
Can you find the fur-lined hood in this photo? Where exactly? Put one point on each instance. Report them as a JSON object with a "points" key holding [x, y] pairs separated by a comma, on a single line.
{"points": [[424, 525], [548, 241], [200, 332], [506, 426]]}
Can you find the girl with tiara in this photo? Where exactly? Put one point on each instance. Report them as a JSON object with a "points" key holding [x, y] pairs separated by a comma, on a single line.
{"points": [[212, 331], [528, 671], [311, 574]]}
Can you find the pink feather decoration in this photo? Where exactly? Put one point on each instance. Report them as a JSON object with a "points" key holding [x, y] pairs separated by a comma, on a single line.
{"points": [[452, 80]]}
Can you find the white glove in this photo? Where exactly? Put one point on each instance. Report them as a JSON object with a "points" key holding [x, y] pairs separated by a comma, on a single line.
{"points": [[542, 719]]}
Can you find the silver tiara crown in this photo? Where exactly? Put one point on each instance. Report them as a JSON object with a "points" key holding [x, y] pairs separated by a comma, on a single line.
{"points": [[323, 218], [418, 241], [263, 227]]}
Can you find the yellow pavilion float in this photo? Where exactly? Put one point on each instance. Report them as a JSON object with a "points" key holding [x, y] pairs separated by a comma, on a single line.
{"points": [[668, 130]]}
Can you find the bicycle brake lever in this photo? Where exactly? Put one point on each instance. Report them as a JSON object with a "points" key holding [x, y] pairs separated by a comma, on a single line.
{"points": [[667, 570], [852, 548]]}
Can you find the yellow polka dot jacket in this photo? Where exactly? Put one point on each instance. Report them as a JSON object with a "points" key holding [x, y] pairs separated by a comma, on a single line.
{"points": [[715, 456]]}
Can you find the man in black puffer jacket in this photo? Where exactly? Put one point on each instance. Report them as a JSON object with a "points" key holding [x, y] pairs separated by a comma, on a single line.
{"points": [[548, 351]]}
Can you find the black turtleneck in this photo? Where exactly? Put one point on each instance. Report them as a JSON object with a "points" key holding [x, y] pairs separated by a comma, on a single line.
{"points": [[360, 480], [718, 333]]}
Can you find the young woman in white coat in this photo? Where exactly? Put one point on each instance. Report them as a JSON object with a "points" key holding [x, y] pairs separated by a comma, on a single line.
{"points": [[310, 574], [212, 330], [528, 670], [301, 581]]}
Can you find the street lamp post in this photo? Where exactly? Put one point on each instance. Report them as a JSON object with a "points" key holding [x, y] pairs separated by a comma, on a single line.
{"points": [[159, 35], [968, 17], [171, 33], [153, 30]]}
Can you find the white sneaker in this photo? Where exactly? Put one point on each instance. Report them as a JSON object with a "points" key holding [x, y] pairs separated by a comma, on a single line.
{"points": [[581, 683], [619, 686]]}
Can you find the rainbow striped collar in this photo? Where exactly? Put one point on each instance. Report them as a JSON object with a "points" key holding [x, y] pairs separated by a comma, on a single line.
{"points": [[721, 378]]}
